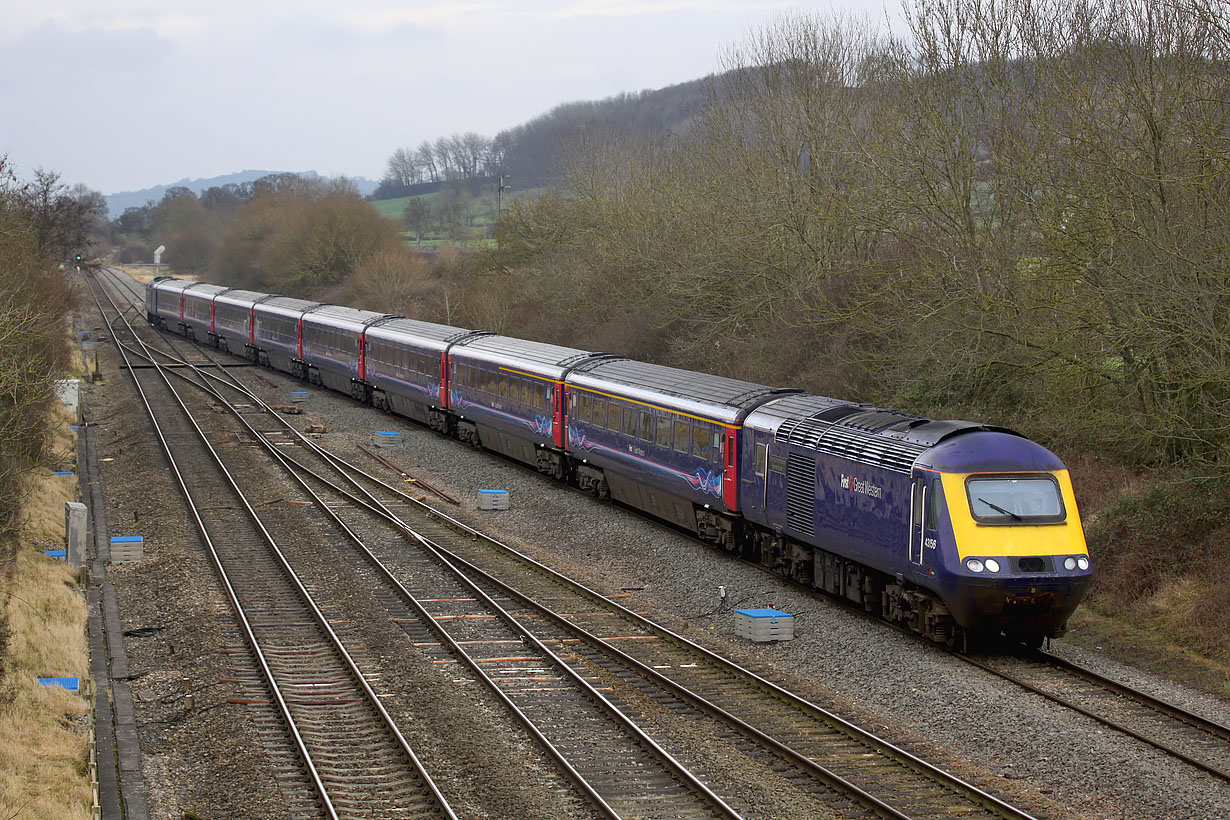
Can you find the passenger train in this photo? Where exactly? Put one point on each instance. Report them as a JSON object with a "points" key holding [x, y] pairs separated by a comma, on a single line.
{"points": [[955, 529]]}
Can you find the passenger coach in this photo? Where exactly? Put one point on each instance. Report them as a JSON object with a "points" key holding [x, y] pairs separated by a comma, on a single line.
{"points": [[407, 368], [331, 347], [234, 321], [278, 335], [662, 439], [508, 396]]}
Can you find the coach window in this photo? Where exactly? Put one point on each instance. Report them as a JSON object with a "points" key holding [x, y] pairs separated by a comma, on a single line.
{"points": [[629, 416], [664, 431], [683, 435], [646, 426], [700, 440], [583, 403]]}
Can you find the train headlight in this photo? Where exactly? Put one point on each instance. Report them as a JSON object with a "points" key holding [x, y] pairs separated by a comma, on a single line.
{"points": [[1082, 562], [992, 565], [973, 565], [1069, 563]]}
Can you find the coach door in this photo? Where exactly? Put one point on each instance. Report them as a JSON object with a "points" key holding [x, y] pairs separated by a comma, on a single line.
{"points": [[918, 517]]}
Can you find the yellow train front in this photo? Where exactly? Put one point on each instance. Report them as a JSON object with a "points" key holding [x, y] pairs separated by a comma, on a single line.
{"points": [[998, 535], [951, 528]]}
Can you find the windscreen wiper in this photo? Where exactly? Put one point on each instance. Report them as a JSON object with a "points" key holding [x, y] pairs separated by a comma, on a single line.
{"points": [[998, 508]]}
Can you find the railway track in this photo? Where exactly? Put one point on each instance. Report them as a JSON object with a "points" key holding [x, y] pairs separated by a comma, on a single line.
{"points": [[561, 629], [1194, 739], [621, 770], [353, 759]]}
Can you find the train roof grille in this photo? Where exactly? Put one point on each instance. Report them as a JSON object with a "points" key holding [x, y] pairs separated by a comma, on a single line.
{"points": [[855, 443]]}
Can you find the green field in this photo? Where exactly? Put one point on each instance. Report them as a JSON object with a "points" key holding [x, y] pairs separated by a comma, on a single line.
{"points": [[481, 212]]}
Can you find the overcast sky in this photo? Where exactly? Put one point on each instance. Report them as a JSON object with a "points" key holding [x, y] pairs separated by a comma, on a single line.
{"points": [[126, 94]]}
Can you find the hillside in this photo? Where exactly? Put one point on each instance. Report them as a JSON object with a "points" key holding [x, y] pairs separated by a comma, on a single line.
{"points": [[531, 152], [118, 202]]}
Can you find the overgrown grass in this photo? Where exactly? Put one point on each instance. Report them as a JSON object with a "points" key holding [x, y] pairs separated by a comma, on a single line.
{"points": [[44, 733], [1161, 590]]}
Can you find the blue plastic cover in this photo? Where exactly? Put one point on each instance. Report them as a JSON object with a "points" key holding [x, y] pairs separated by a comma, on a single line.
{"points": [[127, 539], [64, 683], [764, 613]]}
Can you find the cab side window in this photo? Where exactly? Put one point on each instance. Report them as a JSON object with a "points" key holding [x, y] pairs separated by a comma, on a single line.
{"points": [[933, 505]]}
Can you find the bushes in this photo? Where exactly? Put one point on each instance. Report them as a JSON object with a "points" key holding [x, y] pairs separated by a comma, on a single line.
{"points": [[34, 305], [300, 240], [1160, 560]]}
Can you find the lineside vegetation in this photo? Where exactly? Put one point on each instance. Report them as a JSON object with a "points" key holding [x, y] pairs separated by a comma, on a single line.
{"points": [[43, 734]]}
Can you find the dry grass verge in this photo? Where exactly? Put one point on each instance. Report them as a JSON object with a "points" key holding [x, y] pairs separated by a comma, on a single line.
{"points": [[1161, 592], [44, 732]]}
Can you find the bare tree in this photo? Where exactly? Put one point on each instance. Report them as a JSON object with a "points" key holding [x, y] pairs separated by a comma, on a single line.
{"points": [[417, 218], [426, 156], [403, 168]]}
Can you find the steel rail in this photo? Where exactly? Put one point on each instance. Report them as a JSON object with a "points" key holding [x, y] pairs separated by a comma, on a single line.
{"points": [[295, 468], [1158, 706], [373, 698], [825, 775], [922, 766], [244, 621]]}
